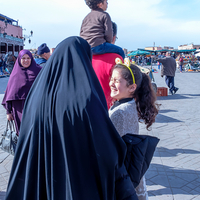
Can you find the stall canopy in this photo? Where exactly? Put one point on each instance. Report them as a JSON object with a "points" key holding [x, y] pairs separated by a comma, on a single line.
{"points": [[139, 53], [156, 51], [164, 50], [185, 50], [146, 50]]}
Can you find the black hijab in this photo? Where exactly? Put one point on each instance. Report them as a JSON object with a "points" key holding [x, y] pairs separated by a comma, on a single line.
{"points": [[68, 148]]}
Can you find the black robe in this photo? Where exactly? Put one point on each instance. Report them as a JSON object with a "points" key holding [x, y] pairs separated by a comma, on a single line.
{"points": [[68, 148]]}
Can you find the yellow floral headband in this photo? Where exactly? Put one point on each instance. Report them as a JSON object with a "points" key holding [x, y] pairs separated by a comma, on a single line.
{"points": [[127, 64]]}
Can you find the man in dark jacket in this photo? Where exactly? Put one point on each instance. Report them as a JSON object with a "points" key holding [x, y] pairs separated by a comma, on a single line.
{"points": [[1, 65], [168, 69], [44, 53]]}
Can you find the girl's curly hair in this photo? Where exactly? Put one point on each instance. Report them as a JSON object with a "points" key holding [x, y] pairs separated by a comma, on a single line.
{"points": [[92, 4], [144, 95]]}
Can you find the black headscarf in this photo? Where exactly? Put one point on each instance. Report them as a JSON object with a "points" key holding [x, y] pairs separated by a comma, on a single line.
{"points": [[68, 148]]}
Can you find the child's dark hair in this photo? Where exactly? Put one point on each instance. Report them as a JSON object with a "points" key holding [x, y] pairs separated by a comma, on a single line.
{"points": [[144, 95], [114, 26], [92, 4]]}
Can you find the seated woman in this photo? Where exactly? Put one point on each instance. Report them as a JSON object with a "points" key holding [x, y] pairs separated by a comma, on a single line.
{"points": [[68, 147], [21, 79]]}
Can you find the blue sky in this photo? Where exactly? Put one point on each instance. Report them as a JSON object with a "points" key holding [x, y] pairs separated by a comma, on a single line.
{"points": [[140, 22]]}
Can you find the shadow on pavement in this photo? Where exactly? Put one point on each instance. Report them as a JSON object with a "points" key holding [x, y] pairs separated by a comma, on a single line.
{"points": [[165, 119], [165, 152], [167, 111], [2, 195], [193, 95], [171, 180], [174, 97]]}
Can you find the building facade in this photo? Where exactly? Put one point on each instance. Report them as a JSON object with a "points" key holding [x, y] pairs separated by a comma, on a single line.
{"points": [[153, 48], [188, 46], [168, 47], [11, 39]]}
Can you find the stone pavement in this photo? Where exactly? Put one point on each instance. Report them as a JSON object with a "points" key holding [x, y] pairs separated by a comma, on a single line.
{"points": [[175, 169], [5, 159]]}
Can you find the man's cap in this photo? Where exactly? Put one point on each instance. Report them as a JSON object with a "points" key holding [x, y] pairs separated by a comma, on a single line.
{"points": [[43, 48]]}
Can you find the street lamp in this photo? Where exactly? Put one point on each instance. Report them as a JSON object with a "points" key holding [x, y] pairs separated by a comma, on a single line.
{"points": [[28, 37]]}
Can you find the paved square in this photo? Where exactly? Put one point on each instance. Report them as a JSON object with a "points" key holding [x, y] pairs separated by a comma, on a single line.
{"points": [[174, 173]]}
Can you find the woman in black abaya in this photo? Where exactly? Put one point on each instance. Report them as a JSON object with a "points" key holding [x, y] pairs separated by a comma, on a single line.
{"points": [[68, 148]]}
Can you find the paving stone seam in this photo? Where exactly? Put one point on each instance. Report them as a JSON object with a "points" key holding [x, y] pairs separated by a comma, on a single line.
{"points": [[4, 159]]}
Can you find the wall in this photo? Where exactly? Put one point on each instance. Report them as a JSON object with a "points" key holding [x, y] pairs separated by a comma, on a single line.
{"points": [[15, 31]]}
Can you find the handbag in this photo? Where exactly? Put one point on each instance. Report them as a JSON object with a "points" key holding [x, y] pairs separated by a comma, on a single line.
{"points": [[9, 138], [140, 150]]}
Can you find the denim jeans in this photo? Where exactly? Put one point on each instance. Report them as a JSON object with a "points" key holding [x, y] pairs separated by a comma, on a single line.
{"points": [[108, 48], [181, 68], [1, 71], [170, 82]]}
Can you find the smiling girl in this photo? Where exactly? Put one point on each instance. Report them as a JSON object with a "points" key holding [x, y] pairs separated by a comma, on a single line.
{"points": [[134, 101]]}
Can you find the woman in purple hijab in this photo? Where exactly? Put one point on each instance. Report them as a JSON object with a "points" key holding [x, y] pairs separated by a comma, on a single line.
{"points": [[21, 79]]}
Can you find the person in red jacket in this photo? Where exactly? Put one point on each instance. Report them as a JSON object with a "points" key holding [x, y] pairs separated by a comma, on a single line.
{"points": [[181, 63], [103, 64]]}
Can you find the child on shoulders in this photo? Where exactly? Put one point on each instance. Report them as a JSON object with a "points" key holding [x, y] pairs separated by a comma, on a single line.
{"points": [[97, 30]]}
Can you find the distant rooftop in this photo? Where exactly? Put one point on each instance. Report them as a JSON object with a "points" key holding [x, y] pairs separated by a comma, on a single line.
{"points": [[9, 20]]}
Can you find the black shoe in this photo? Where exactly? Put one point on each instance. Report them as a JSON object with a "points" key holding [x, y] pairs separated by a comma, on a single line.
{"points": [[171, 92], [175, 90]]}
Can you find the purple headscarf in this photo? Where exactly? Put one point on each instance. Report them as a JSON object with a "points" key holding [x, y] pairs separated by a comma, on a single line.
{"points": [[21, 79]]}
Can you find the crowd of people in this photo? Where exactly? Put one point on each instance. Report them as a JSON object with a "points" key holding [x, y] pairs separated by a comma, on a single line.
{"points": [[73, 111], [183, 60], [142, 60], [6, 64], [168, 63], [68, 123]]}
